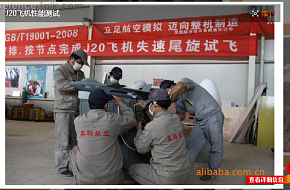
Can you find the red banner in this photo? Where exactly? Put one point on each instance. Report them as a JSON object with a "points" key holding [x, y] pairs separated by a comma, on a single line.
{"points": [[264, 24], [181, 45], [194, 26], [46, 35], [206, 36], [266, 180]]}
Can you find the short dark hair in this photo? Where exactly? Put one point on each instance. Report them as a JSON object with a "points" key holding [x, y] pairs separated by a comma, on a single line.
{"points": [[164, 103], [93, 106], [75, 56]]}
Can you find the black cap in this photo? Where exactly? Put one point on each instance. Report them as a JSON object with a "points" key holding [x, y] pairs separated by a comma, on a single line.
{"points": [[166, 84], [98, 98], [157, 95], [116, 72]]}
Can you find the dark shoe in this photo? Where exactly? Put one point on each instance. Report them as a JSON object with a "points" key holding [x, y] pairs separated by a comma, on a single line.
{"points": [[67, 173], [207, 177]]}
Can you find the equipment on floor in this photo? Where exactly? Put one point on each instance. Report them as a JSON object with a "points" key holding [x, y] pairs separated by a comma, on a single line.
{"points": [[12, 112], [30, 114], [130, 97]]}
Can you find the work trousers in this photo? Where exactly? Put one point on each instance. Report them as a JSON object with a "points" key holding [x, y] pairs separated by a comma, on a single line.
{"points": [[144, 174], [65, 135], [117, 181], [73, 167], [211, 130]]}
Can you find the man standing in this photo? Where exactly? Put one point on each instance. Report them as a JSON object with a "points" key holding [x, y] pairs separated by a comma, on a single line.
{"points": [[97, 158], [164, 136], [66, 108], [209, 121], [114, 76]]}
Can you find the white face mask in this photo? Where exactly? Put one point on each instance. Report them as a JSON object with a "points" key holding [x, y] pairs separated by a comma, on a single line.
{"points": [[169, 90], [151, 112], [77, 66], [113, 81]]}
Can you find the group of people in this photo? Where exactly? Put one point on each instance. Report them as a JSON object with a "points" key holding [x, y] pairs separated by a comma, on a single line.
{"points": [[87, 145]]}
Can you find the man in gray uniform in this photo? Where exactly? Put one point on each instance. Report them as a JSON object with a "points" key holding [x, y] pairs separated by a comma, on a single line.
{"points": [[164, 136], [66, 108], [97, 158], [114, 77], [209, 121]]}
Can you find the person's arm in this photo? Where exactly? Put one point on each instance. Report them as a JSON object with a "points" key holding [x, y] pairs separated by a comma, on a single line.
{"points": [[180, 108], [142, 140], [127, 120], [61, 83]]}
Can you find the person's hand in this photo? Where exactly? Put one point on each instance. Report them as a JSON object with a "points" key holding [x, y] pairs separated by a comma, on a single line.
{"points": [[139, 126], [142, 103], [117, 100]]}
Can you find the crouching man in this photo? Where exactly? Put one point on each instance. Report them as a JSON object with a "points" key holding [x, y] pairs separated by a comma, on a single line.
{"points": [[170, 162], [97, 158]]}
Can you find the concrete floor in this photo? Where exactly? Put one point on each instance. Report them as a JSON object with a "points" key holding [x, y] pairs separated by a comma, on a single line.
{"points": [[30, 158]]}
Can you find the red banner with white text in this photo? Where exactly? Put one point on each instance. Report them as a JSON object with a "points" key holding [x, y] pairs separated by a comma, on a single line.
{"points": [[25, 43], [183, 45], [46, 35], [194, 26], [227, 35]]}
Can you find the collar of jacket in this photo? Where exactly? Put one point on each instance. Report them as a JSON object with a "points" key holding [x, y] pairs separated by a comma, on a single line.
{"points": [[159, 114], [94, 112], [69, 67]]}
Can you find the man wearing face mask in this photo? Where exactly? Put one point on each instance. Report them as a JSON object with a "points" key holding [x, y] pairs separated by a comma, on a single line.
{"points": [[208, 125], [165, 84], [114, 76], [66, 108], [97, 158], [168, 85], [164, 136]]}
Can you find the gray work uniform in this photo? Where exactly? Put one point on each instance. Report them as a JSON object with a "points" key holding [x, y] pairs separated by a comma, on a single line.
{"points": [[208, 125], [107, 80], [170, 162], [97, 158], [65, 111]]}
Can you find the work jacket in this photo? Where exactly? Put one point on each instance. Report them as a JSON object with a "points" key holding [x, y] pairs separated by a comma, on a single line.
{"points": [[66, 96], [99, 155], [197, 102], [164, 136]]}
